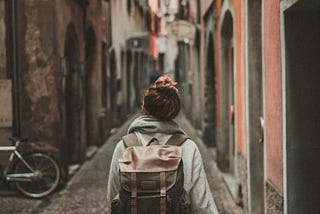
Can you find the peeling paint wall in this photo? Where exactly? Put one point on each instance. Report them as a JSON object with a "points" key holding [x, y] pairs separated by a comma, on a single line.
{"points": [[40, 101], [42, 26]]}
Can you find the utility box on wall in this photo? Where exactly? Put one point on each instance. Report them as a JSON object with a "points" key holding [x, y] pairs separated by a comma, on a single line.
{"points": [[5, 103]]}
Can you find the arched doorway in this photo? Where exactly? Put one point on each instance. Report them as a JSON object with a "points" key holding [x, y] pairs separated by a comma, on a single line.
{"points": [[104, 126], [209, 134], [196, 98], [255, 108], [183, 76], [226, 147], [72, 93], [92, 136], [113, 88]]}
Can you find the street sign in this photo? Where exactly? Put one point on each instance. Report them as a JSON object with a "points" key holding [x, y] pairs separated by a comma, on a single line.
{"points": [[138, 42], [181, 30]]}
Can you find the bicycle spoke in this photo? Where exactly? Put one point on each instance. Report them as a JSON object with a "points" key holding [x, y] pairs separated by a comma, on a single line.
{"points": [[33, 162], [45, 167], [47, 182], [46, 175], [38, 165]]}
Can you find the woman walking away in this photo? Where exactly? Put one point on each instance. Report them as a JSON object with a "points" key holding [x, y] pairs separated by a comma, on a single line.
{"points": [[156, 132]]}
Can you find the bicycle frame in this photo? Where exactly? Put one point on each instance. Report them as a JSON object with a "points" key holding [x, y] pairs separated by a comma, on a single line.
{"points": [[27, 177]]}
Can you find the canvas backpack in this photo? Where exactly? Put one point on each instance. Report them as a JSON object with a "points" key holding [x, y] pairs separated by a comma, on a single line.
{"points": [[151, 178]]}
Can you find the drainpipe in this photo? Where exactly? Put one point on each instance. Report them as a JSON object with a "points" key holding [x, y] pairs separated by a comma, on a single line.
{"points": [[13, 63]]}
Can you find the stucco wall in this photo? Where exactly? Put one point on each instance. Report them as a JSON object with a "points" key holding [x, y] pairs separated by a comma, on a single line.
{"points": [[273, 92], [123, 25], [240, 79], [240, 84]]}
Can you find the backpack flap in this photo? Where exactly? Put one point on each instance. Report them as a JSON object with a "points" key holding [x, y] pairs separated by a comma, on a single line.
{"points": [[147, 163], [158, 158]]}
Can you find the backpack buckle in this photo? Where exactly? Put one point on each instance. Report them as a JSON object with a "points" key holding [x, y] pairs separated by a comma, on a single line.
{"points": [[133, 201]]}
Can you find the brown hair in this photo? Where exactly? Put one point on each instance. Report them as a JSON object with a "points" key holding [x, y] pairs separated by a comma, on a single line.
{"points": [[162, 99]]}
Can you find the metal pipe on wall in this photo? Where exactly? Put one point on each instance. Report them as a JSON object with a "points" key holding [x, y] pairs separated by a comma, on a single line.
{"points": [[12, 27]]}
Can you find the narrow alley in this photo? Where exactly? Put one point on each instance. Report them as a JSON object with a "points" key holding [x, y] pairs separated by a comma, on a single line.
{"points": [[72, 76], [85, 193]]}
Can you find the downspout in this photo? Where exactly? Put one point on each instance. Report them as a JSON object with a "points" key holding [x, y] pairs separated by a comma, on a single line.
{"points": [[13, 64]]}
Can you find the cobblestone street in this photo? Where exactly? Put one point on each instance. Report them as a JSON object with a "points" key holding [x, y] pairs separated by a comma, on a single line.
{"points": [[86, 190]]}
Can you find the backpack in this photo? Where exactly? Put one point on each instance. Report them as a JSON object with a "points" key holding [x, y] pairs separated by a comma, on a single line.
{"points": [[151, 178]]}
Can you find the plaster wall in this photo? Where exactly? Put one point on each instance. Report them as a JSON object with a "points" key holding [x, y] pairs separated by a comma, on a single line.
{"points": [[205, 5], [203, 26], [124, 24], [196, 68], [240, 76], [273, 93], [239, 60]]}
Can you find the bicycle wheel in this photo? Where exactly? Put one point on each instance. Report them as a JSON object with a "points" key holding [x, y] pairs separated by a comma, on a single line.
{"points": [[45, 178]]}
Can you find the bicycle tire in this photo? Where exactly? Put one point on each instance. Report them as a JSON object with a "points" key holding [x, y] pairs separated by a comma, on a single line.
{"points": [[46, 179]]}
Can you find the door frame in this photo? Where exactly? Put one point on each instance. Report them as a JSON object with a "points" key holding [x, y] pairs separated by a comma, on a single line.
{"points": [[259, 111]]}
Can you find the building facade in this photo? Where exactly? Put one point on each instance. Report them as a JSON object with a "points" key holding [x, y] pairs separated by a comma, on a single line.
{"points": [[54, 68], [72, 70], [62, 72], [262, 77]]}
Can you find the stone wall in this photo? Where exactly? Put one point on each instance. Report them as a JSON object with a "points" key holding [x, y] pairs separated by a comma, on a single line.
{"points": [[242, 197], [274, 199]]}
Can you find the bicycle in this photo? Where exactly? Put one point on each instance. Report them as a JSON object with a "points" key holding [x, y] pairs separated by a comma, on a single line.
{"points": [[35, 174]]}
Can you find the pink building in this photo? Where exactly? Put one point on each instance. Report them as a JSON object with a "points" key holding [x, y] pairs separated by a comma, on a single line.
{"points": [[265, 87]]}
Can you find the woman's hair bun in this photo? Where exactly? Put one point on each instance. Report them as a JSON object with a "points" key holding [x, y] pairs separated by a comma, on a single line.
{"points": [[162, 99], [166, 82]]}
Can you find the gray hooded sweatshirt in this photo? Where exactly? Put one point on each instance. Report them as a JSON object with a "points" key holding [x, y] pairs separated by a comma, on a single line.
{"points": [[195, 180]]}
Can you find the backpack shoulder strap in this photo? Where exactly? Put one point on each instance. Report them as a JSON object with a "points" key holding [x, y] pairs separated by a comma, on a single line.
{"points": [[177, 139], [131, 140]]}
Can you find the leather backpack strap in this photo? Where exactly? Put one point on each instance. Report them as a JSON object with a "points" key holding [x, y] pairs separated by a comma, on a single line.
{"points": [[131, 140], [177, 139]]}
